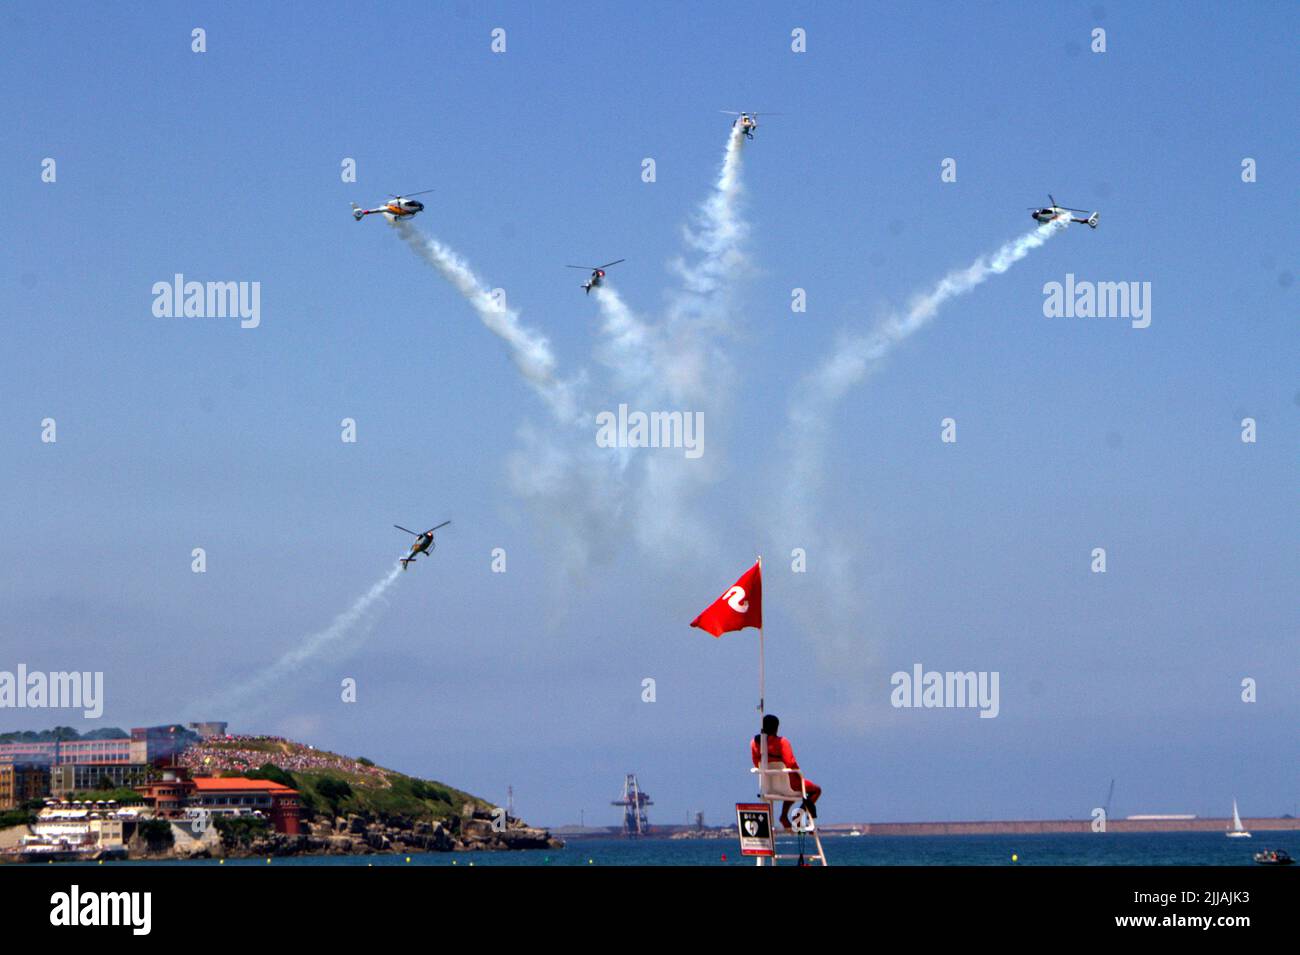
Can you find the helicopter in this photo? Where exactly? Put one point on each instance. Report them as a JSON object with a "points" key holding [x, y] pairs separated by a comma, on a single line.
{"points": [[1054, 213], [597, 273], [423, 542], [397, 207], [748, 121]]}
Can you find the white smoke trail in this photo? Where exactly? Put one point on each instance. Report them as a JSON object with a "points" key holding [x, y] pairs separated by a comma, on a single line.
{"points": [[694, 367], [854, 357], [835, 613], [355, 622], [700, 313], [630, 344], [719, 239], [530, 350], [673, 352], [678, 364]]}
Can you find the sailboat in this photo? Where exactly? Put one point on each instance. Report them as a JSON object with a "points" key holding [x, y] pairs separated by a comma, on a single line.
{"points": [[1238, 831]]}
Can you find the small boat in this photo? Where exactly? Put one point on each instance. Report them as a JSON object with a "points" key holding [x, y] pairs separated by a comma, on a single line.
{"points": [[1274, 857], [1238, 831]]}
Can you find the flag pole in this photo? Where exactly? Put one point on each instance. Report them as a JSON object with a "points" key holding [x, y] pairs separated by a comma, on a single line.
{"points": [[761, 675], [763, 779]]}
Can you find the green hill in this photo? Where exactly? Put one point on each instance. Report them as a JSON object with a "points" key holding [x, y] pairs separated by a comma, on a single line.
{"points": [[331, 784]]}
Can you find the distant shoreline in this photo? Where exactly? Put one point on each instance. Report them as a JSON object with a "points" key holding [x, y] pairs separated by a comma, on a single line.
{"points": [[1027, 826], [984, 828]]}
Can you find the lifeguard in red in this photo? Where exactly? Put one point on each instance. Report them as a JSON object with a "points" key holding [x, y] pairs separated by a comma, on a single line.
{"points": [[780, 750]]}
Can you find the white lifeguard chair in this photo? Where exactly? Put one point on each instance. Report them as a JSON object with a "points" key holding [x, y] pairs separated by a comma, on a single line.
{"points": [[774, 787]]}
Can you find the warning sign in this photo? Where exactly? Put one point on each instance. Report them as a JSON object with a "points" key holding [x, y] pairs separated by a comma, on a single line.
{"points": [[754, 823]]}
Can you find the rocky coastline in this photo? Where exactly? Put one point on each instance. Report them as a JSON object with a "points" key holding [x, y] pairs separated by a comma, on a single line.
{"points": [[473, 830]]}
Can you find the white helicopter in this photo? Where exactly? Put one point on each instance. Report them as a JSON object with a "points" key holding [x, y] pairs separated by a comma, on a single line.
{"points": [[423, 542], [597, 273], [1054, 212], [748, 121], [397, 207]]}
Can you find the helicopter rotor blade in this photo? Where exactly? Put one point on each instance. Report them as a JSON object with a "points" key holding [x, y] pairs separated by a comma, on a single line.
{"points": [[401, 528], [442, 525], [589, 268], [608, 264]]}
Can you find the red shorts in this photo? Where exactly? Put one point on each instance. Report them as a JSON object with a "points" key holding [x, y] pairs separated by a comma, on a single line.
{"points": [[811, 787]]}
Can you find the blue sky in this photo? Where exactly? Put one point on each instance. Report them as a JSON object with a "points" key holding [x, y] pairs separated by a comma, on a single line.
{"points": [[175, 434]]}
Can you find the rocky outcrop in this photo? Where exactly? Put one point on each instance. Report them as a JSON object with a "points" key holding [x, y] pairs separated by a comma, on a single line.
{"points": [[361, 834], [704, 834], [484, 830], [192, 842]]}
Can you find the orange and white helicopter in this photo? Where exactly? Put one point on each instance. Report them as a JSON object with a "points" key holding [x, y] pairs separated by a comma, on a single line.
{"points": [[397, 207], [422, 544], [597, 273], [1054, 213], [748, 122]]}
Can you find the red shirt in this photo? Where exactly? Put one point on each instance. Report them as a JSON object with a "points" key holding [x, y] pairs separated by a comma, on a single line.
{"points": [[778, 750]]}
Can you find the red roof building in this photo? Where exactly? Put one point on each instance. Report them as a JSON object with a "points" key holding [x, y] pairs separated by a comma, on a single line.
{"points": [[225, 795], [228, 793]]}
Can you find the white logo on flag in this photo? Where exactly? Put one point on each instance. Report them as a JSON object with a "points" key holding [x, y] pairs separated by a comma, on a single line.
{"points": [[735, 598]]}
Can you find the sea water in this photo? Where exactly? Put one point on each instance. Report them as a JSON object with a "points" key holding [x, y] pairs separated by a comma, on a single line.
{"points": [[1037, 849]]}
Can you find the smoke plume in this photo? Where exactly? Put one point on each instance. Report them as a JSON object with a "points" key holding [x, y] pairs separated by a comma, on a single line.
{"points": [[337, 640], [530, 350], [835, 611], [675, 362], [857, 356]]}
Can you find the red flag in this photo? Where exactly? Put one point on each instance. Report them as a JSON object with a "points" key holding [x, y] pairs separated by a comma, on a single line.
{"points": [[740, 607]]}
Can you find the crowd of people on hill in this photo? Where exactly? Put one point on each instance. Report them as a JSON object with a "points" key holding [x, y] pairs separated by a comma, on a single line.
{"points": [[224, 755]]}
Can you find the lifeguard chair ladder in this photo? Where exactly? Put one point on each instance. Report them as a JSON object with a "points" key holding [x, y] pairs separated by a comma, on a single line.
{"points": [[774, 787]]}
